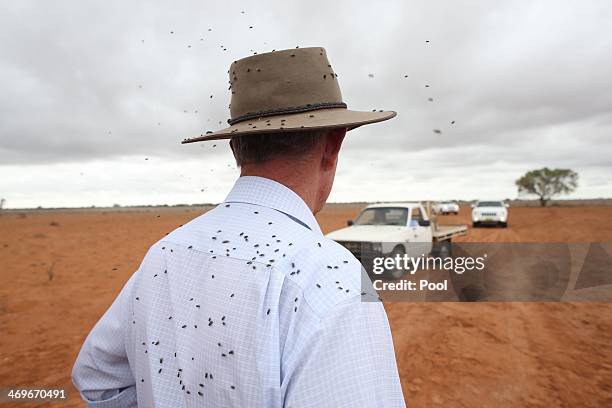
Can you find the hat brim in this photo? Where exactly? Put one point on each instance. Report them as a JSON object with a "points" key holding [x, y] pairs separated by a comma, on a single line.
{"points": [[312, 120]]}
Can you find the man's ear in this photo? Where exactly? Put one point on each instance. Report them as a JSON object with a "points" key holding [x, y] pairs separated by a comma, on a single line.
{"points": [[333, 142], [231, 143]]}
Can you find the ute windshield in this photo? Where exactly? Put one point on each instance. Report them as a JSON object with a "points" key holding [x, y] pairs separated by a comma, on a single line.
{"points": [[383, 216]]}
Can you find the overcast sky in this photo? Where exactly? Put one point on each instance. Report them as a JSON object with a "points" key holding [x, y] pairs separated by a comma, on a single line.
{"points": [[96, 96]]}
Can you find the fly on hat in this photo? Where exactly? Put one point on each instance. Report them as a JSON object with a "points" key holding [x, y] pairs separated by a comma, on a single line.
{"points": [[287, 91]]}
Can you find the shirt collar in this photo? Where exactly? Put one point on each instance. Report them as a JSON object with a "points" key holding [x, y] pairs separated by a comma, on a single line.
{"points": [[269, 193]]}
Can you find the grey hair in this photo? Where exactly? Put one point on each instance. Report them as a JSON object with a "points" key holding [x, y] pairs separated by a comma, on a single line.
{"points": [[258, 148]]}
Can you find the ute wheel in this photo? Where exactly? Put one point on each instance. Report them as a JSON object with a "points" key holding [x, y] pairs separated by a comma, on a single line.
{"points": [[504, 224], [442, 249], [397, 273], [475, 224]]}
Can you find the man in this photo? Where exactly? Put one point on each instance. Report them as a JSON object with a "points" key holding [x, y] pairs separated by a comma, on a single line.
{"points": [[249, 305]]}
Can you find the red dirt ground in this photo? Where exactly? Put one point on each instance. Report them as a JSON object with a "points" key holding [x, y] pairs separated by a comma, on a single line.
{"points": [[449, 354]]}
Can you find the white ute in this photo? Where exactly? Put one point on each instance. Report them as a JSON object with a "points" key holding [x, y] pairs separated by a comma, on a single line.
{"points": [[396, 228], [490, 212]]}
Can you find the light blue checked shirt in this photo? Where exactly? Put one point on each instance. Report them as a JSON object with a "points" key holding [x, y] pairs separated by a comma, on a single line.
{"points": [[248, 305]]}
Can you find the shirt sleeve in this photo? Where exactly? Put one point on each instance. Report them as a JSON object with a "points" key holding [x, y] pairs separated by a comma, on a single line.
{"points": [[102, 372], [349, 363]]}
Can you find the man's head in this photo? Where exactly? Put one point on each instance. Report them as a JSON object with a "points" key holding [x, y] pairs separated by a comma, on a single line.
{"points": [[288, 120], [303, 161]]}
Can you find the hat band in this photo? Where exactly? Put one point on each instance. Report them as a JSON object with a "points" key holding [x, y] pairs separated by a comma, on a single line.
{"points": [[282, 111]]}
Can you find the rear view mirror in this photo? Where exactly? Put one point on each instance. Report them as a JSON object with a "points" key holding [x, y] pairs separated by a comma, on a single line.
{"points": [[350, 222], [424, 223]]}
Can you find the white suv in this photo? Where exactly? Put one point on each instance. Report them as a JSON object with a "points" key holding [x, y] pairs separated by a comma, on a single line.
{"points": [[490, 212], [446, 207]]}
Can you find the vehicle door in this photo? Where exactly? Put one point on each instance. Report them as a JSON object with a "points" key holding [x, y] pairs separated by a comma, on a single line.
{"points": [[420, 236]]}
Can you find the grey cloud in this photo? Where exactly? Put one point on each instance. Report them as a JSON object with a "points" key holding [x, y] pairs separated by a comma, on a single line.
{"points": [[527, 84]]}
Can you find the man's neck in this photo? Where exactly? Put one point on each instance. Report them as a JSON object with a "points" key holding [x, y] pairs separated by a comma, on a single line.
{"points": [[300, 180]]}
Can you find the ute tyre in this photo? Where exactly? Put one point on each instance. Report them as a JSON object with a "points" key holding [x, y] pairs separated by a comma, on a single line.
{"points": [[442, 249], [396, 273]]}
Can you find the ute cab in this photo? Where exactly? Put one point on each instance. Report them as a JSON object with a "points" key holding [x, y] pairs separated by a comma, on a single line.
{"points": [[386, 229]]}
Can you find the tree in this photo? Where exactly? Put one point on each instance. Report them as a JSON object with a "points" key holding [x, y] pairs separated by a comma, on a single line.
{"points": [[2, 201], [546, 183]]}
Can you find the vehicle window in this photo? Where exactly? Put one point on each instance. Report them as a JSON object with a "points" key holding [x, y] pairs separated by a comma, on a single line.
{"points": [[490, 204], [383, 216], [415, 217]]}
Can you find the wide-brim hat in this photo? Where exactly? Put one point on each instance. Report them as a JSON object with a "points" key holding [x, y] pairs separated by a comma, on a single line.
{"points": [[287, 91]]}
